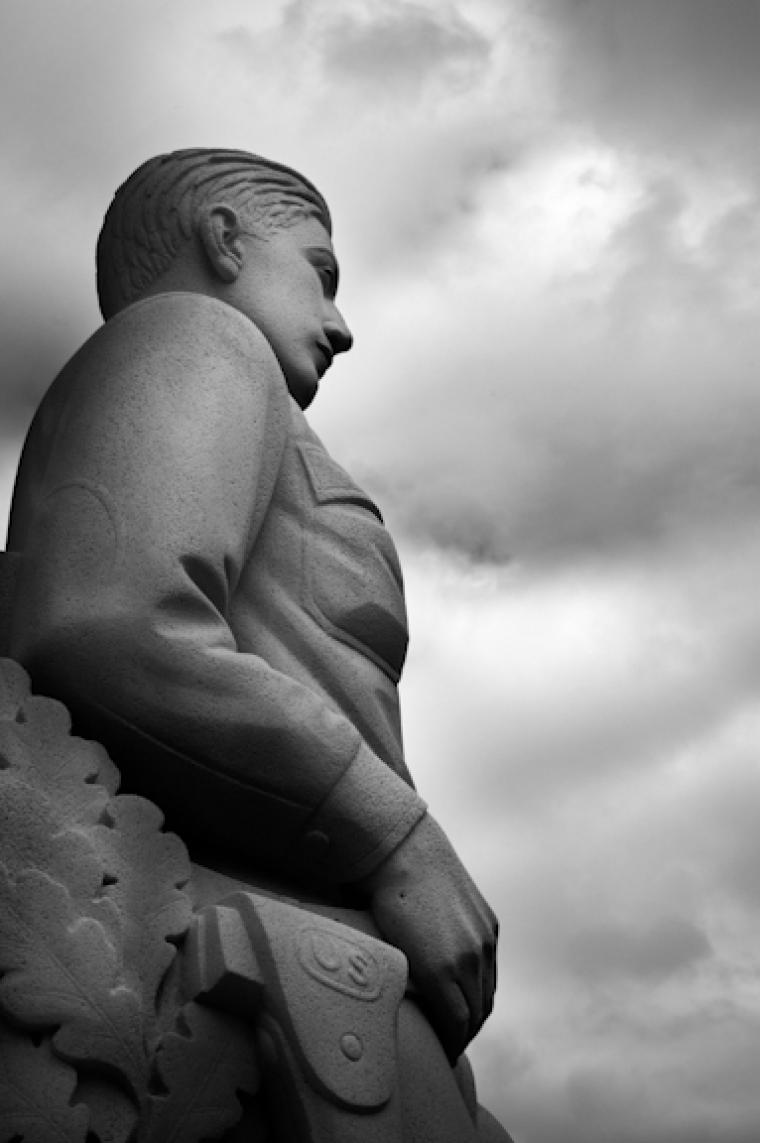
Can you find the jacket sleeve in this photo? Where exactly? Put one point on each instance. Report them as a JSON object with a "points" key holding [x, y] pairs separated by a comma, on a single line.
{"points": [[167, 435]]}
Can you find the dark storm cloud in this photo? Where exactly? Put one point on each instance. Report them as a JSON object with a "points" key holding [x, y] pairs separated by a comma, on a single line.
{"points": [[47, 292], [663, 948], [31, 363], [85, 91], [677, 72]]}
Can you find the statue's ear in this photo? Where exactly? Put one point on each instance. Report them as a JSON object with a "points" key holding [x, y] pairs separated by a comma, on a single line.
{"points": [[219, 231]]}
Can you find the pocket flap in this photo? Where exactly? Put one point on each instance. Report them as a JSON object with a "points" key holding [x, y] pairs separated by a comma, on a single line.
{"points": [[332, 484]]}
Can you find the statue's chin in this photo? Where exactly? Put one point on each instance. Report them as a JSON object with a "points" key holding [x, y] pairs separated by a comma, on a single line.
{"points": [[302, 391]]}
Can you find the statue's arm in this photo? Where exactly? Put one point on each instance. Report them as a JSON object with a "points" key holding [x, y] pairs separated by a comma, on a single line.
{"points": [[159, 475]]}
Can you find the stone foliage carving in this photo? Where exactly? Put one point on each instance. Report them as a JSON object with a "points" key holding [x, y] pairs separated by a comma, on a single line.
{"points": [[95, 1041]]}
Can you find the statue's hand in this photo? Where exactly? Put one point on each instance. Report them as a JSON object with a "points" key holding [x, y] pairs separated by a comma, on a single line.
{"points": [[424, 901]]}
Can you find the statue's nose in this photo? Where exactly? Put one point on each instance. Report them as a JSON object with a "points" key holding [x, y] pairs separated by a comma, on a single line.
{"points": [[337, 332]]}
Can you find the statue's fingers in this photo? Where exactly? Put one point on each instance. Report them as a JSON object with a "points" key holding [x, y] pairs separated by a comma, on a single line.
{"points": [[471, 981], [448, 1011], [489, 978]]}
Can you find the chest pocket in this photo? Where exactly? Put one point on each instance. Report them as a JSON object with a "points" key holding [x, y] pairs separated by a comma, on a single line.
{"points": [[352, 582]]}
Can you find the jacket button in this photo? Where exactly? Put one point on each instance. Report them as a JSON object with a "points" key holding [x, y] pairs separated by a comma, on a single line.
{"points": [[351, 1046]]}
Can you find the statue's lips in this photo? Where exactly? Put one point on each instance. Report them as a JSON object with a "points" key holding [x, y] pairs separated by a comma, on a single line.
{"points": [[327, 355]]}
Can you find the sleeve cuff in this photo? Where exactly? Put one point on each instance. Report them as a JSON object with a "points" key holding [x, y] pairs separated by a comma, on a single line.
{"points": [[366, 815]]}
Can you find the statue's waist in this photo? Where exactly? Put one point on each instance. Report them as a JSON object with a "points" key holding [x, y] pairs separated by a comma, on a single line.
{"points": [[285, 635], [216, 876]]}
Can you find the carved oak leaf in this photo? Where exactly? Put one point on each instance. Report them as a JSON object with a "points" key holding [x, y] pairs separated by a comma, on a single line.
{"points": [[149, 868], [14, 687], [203, 1065], [35, 1094], [78, 776], [31, 838], [61, 969], [113, 1115]]}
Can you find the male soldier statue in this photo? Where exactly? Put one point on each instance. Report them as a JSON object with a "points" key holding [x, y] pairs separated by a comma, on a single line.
{"points": [[218, 602]]}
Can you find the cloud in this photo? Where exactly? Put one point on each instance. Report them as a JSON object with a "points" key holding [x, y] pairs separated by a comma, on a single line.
{"points": [[681, 75], [591, 408], [399, 47], [665, 947], [598, 408], [76, 121], [547, 217], [589, 739], [609, 403]]}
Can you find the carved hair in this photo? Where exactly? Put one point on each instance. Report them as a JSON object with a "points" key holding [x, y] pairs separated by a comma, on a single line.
{"points": [[156, 209]]}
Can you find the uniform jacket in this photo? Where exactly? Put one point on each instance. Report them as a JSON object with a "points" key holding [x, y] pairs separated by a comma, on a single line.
{"points": [[213, 596]]}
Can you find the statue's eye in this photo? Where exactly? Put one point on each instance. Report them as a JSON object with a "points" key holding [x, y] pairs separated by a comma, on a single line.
{"points": [[325, 266], [327, 277]]}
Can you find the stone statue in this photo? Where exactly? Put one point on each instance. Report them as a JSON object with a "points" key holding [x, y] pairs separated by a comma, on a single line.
{"points": [[219, 604]]}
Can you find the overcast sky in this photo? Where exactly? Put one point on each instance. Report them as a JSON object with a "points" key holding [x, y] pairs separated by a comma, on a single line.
{"points": [[547, 217]]}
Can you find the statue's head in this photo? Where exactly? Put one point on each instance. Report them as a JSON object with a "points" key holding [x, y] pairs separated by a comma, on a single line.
{"points": [[251, 232]]}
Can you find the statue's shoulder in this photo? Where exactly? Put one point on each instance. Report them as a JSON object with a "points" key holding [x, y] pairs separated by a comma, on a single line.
{"points": [[166, 360], [185, 326], [171, 346]]}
